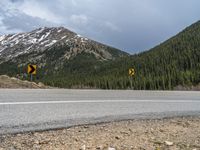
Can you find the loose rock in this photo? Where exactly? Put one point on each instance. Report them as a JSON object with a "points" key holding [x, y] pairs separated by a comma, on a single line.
{"points": [[168, 143]]}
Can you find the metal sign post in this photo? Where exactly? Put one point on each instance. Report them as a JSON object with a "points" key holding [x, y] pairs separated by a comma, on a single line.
{"points": [[131, 73], [31, 78]]}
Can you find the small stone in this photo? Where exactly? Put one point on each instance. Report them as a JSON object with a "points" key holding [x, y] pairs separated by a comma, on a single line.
{"points": [[99, 147], [36, 147], [36, 142], [44, 142], [111, 148], [187, 124], [161, 130], [168, 143], [64, 131], [86, 127], [41, 84], [12, 148], [130, 130], [83, 147], [152, 130]]}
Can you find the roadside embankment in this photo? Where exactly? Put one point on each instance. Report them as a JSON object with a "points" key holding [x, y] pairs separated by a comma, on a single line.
{"points": [[14, 83]]}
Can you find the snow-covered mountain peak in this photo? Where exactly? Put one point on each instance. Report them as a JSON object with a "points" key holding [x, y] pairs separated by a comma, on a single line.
{"points": [[43, 39], [13, 45]]}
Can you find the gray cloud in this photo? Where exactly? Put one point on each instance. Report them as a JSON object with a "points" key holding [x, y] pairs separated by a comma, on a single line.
{"points": [[131, 25], [79, 20]]}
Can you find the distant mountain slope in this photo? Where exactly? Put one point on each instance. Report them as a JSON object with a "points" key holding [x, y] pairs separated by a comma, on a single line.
{"points": [[165, 67], [45, 39], [51, 49]]}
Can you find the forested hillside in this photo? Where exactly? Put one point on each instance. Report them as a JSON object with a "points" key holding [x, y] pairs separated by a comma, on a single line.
{"points": [[172, 63]]}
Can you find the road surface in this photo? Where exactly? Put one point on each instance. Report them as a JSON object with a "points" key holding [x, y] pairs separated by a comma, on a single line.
{"points": [[30, 110]]}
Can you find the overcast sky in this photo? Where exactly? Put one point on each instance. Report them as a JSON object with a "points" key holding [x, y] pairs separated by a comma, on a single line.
{"points": [[131, 25]]}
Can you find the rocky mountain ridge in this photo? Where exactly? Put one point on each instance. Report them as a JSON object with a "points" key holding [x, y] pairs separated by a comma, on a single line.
{"points": [[43, 39]]}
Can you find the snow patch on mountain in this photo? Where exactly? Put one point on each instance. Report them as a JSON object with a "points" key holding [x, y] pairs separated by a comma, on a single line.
{"points": [[2, 37], [50, 44]]}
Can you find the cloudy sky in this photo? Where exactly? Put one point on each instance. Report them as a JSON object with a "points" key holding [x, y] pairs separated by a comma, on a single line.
{"points": [[131, 25]]}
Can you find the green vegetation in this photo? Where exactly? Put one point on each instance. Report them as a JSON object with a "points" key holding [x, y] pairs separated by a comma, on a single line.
{"points": [[172, 63]]}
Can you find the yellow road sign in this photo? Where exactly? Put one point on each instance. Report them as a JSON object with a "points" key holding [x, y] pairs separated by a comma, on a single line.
{"points": [[32, 69], [131, 72]]}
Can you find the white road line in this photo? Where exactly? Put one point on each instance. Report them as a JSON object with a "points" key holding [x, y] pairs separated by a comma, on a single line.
{"points": [[100, 101]]}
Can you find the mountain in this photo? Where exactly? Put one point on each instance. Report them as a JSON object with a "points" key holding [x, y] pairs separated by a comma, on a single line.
{"points": [[50, 49], [43, 39], [173, 63]]}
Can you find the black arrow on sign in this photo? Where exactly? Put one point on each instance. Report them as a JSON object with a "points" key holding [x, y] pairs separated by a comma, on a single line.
{"points": [[32, 69]]}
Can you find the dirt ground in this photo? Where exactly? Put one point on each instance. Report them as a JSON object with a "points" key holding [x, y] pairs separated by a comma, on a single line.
{"points": [[159, 134], [14, 83]]}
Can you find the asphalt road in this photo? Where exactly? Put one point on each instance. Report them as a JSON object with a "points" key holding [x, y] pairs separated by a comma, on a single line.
{"points": [[30, 110]]}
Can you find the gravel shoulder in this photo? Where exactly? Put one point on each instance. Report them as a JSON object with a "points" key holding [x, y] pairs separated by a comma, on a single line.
{"points": [[150, 134]]}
